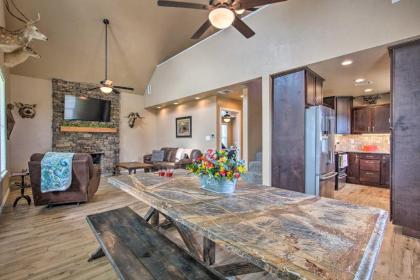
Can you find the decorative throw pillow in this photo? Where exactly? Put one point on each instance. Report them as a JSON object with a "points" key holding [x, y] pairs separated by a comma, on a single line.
{"points": [[157, 155], [187, 153], [179, 154]]}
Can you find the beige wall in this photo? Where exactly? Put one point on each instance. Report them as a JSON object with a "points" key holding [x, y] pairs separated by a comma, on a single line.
{"points": [[254, 116], [30, 135], [288, 35], [203, 113], [139, 140]]}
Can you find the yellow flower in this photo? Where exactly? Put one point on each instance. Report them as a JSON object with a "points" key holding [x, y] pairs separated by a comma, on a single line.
{"points": [[241, 169], [223, 159]]}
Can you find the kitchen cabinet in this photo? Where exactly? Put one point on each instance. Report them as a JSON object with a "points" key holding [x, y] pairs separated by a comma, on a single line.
{"points": [[371, 119], [405, 160], [343, 106], [368, 169], [293, 92], [353, 168], [385, 170], [313, 88]]}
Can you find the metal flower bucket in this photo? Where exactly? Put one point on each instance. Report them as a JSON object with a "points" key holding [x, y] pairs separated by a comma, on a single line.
{"points": [[221, 185]]}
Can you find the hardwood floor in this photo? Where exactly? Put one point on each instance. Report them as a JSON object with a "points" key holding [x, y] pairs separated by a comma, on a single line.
{"points": [[40, 243]]}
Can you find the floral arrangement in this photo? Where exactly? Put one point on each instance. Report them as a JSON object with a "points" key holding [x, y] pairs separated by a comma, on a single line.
{"points": [[222, 164]]}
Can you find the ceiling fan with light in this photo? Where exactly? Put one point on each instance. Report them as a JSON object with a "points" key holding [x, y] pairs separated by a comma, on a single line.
{"points": [[222, 13], [107, 86]]}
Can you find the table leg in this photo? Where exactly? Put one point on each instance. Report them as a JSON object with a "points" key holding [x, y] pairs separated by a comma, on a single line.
{"points": [[129, 171], [209, 251], [155, 218], [188, 239], [135, 171]]}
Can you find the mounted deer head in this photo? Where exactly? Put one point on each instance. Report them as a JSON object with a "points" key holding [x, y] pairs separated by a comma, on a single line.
{"points": [[19, 56], [13, 40], [132, 117]]}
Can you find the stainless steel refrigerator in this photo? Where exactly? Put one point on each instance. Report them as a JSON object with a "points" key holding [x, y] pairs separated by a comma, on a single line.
{"points": [[320, 171]]}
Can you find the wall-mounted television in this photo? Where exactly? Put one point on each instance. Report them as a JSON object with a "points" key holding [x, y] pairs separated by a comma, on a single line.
{"points": [[86, 109]]}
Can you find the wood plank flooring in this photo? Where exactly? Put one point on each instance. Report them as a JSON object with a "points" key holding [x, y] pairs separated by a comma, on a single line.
{"points": [[40, 243]]}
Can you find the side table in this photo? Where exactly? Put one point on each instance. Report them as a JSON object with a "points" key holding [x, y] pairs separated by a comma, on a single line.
{"points": [[22, 176]]}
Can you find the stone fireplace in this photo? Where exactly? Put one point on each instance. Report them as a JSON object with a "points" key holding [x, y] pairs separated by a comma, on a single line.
{"points": [[104, 147]]}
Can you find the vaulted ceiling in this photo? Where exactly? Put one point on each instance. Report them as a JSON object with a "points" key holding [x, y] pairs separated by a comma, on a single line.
{"points": [[141, 36]]}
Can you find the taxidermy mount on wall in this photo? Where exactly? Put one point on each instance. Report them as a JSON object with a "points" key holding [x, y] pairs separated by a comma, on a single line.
{"points": [[17, 41], [132, 117], [26, 111], [19, 56]]}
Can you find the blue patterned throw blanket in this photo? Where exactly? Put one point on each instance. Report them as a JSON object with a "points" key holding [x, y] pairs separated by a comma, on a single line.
{"points": [[56, 169]]}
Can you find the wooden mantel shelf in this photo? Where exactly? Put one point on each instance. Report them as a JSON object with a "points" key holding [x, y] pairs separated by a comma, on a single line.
{"points": [[88, 129]]}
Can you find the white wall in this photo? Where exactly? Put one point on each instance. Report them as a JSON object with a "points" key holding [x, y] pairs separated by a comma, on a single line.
{"points": [[204, 123], [30, 135], [139, 140]]}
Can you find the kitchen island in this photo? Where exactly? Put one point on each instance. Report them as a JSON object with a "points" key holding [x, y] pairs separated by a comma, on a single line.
{"points": [[289, 234]]}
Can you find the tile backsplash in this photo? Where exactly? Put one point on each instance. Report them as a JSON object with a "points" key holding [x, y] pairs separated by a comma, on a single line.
{"points": [[356, 142]]}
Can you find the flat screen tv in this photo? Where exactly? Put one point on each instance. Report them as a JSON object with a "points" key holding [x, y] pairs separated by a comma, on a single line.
{"points": [[86, 109]]}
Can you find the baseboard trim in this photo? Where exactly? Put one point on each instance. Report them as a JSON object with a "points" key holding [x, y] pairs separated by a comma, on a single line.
{"points": [[4, 200]]}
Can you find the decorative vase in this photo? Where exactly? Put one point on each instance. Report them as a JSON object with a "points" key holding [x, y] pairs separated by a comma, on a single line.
{"points": [[221, 185]]}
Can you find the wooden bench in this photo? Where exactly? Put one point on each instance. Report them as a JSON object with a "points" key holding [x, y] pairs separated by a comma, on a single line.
{"points": [[138, 251]]}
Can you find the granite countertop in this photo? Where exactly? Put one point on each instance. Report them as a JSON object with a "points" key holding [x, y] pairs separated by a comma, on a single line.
{"points": [[365, 152], [289, 234]]}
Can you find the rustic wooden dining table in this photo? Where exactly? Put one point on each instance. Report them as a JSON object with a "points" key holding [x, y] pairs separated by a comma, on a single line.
{"points": [[288, 234]]}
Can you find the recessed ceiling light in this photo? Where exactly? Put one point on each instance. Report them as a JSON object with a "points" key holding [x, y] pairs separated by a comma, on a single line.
{"points": [[225, 91], [360, 80], [158, 107], [197, 98], [368, 90], [242, 96], [347, 62], [176, 103]]}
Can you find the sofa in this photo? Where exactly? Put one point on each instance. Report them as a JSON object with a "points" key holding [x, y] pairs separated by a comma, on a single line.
{"points": [[174, 158], [85, 181]]}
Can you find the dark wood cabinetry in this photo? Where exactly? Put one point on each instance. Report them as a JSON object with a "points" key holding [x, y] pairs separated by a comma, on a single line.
{"points": [[343, 106], [371, 119], [353, 168], [292, 93], [405, 164], [368, 169], [313, 88]]}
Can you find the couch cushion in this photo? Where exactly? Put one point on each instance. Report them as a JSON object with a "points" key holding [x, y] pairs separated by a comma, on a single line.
{"points": [[158, 155], [170, 154], [179, 154]]}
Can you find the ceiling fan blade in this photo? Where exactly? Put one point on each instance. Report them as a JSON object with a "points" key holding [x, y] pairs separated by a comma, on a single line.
{"points": [[174, 4], [243, 28], [247, 4], [116, 91], [203, 28], [252, 9], [95, 88], [126, 88]]}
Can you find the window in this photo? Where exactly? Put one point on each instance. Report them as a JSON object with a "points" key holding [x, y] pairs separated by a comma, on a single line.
{"points": [[2, 126]]}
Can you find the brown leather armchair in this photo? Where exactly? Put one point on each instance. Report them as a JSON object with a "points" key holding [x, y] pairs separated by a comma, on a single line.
{"points": [[85, 181]]}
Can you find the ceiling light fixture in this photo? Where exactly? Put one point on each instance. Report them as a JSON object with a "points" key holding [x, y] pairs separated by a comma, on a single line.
{"points": [[360, 80], [368, 90], [221, 18], [242, 96], [176, 103], [240, 12], [106, 89], [227, 117], [347, 62], [158, 107], [197, 98]]}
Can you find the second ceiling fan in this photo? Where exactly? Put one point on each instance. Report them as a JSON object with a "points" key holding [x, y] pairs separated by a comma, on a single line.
{"points": [[222, 13]]}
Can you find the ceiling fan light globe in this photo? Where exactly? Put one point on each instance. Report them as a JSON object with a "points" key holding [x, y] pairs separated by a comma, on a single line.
{"points": [[221, 18], [106, 89], [240, 11]]}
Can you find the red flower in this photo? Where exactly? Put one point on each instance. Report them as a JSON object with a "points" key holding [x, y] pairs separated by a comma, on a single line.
{"points": [[237, 175]]}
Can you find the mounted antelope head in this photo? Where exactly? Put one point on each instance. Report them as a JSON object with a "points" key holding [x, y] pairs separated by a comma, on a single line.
{"points": [[132, 117], [13, 40], [19, 56]]}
